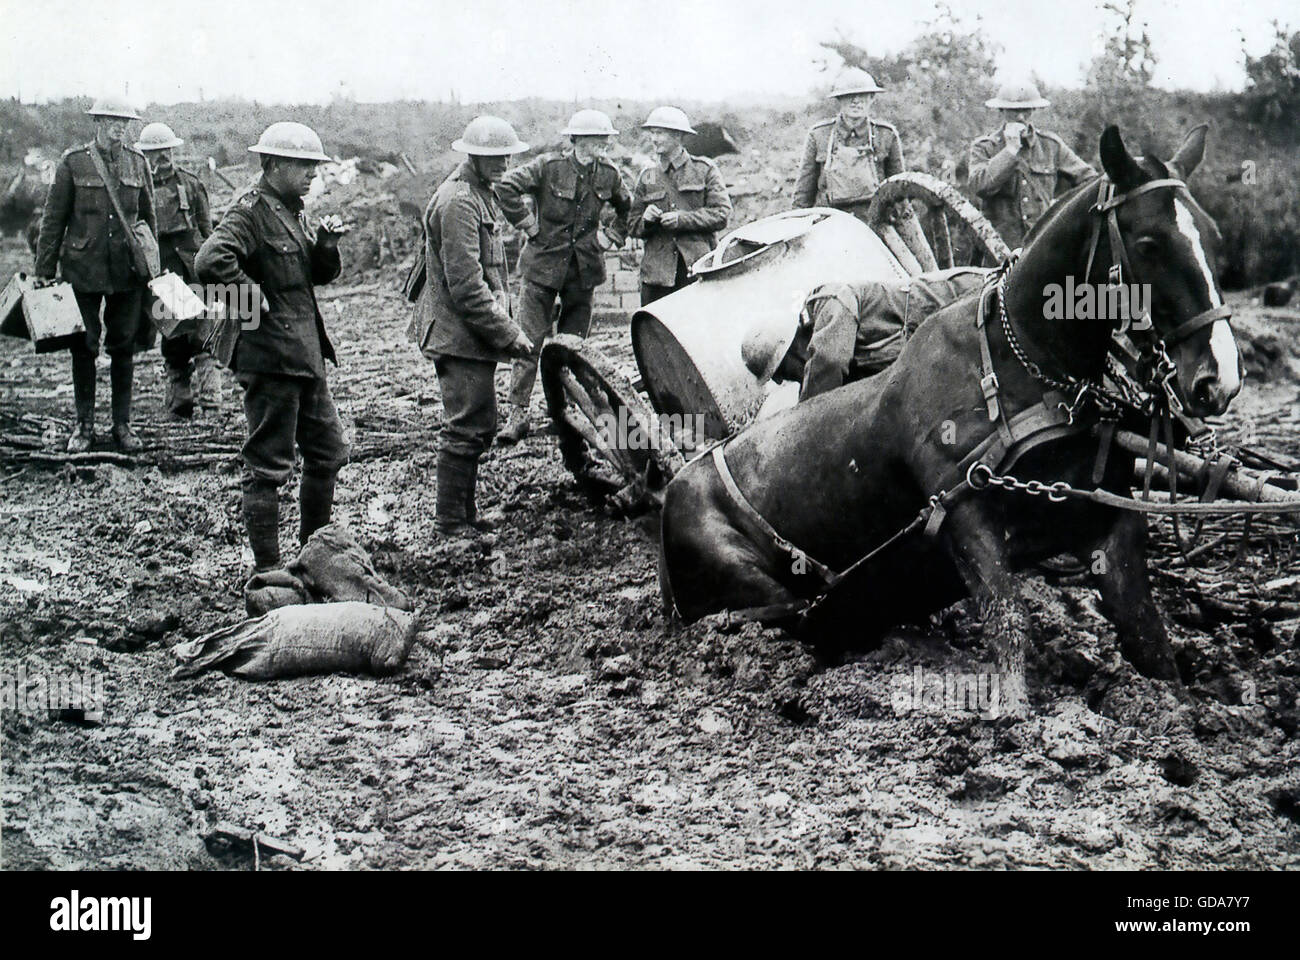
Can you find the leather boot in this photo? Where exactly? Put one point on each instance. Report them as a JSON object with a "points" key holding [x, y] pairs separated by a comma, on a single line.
{"points": [[83, 392], [180, 395], [517, 427], [455, 476], [315, 502], [207, 382], [123, 372], [471, 509], [262, 521]]}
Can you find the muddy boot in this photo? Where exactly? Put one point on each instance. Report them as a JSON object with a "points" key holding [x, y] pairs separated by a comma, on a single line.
{"points": [[123, 372], [471, 509], [262, 521], [180, 395], [83, 391], [207, 382], [455, 480], [517, 428], [315, 501]]}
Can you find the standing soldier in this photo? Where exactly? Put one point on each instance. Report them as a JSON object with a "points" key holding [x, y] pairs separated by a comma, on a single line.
{"points": [[279, 357], [81, 230], [847, 156], [677, 205], [565, 253], [462, 318], [1018, 170], [184, 221]]}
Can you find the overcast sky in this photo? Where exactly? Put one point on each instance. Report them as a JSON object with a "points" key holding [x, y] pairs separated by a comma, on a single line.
{"points": [[486, 50]]}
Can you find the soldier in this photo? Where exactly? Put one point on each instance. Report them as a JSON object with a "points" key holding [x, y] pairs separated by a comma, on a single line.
{"points": [[564, 256], [848, 331], [279, 357], [1018, 170], [462, 317], [847, 156], [677, 204], [184, 221], [81, 231]]}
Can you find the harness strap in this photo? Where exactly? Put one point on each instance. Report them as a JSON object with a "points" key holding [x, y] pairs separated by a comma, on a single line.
{"points": [[1202, 319], [756, 518], [1105, 206], [989, 385]]}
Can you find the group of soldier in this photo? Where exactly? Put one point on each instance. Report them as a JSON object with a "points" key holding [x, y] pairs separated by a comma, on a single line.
{"points": [[579, 208]]}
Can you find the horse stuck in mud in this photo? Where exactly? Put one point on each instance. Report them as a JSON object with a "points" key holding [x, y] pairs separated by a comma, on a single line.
{"points": [[896, 490]]}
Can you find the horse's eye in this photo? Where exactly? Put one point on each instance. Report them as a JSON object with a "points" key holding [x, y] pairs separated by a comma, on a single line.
{"points": [[1147, 246]]}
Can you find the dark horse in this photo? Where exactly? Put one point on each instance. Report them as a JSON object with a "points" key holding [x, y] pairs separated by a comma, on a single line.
{"points": [[840, 474]]}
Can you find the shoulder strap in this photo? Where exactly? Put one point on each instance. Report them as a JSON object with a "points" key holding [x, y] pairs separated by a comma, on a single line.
{"points": [[109, 185]]}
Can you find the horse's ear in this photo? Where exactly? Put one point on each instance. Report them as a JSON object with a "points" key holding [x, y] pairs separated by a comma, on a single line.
{"points": [[1190, 154], [1116, 160]]}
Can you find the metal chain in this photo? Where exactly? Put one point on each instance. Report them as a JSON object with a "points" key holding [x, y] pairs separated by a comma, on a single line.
{"points": [[1055, 492]]}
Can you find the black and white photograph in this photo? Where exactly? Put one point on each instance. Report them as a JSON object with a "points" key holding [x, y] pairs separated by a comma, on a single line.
{"points": [[612, 435]]}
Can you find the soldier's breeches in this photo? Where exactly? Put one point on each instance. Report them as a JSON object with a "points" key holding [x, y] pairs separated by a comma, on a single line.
{"points": [[469, 405], [283, 411], [536, 315], [123, 314], [178, 352]]}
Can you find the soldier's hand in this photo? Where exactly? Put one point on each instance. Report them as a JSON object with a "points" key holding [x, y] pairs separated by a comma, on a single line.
{"points": [[1014, 133], [669, 220], [330, 229], [521, 347], [652, 213]]}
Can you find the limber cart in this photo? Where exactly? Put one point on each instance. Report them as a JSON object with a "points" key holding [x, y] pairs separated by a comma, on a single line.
{"points": [[624, 436]]}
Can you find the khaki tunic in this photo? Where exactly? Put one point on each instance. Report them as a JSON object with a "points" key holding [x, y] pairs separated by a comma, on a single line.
{"points": [[1015, 189]]}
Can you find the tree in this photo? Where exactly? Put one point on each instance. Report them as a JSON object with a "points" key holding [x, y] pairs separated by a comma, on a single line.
{"points": [[1273, 83]]}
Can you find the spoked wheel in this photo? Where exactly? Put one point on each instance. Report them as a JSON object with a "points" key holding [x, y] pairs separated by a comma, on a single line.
{"points": [[949, 232], [609, 437]]}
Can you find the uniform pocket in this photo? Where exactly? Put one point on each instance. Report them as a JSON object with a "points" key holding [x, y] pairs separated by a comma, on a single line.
{"points": [[284, 268], [558, 201], [91, 197]]}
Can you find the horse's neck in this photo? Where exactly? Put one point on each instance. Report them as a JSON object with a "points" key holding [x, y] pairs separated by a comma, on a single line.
{"points": [[1076, 346]]}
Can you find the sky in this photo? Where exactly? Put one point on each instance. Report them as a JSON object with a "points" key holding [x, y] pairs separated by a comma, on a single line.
{"points": [[165, 51]]}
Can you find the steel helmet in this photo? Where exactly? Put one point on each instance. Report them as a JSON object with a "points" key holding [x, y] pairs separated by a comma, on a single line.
{"points": [[489, 137], [113, 107], [668, 118], [157, 136], [286, 138], [853, 81], [1017, 96], [764, 347], [589, 123]]}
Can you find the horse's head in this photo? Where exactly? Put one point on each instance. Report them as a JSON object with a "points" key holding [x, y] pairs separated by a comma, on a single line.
{"points": [[1171, 244]]}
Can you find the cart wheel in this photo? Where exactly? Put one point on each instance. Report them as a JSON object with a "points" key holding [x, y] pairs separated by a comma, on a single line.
{"points": [[609, 437], [950, 232]]}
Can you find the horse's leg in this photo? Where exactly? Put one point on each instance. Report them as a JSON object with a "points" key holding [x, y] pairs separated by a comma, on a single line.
{"points": [[978, 549], [1118, 565]]}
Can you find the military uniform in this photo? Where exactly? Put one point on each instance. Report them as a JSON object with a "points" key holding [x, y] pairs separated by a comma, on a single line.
{"points": [[462, 318], [848, 331], [280, 362], [80, 232], [693, 186], [843, 165], [563, 256], [184, 222], [1016, 188]]}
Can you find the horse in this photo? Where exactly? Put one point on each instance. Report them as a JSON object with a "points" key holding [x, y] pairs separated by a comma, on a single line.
{"points": [[767, 523]]}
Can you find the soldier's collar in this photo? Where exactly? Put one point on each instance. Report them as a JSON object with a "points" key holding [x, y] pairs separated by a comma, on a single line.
{"points": [[293, 204], [677, 160], [860, 127]]}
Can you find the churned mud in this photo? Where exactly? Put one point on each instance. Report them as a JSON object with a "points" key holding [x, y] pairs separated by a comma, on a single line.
{"points": [[551, 717]]}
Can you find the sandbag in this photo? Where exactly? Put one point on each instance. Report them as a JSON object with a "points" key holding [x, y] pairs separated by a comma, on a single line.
{"points": [[332, 566], [269, 591], [292, 641]]}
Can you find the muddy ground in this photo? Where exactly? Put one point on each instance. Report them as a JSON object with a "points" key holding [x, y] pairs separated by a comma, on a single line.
{"points": [[550, 717]]}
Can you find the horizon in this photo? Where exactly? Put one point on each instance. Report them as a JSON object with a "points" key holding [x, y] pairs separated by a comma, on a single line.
{"points": [[181, 51]]}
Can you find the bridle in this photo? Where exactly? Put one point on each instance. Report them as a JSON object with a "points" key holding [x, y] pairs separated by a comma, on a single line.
{"points": [[1162, 367]]}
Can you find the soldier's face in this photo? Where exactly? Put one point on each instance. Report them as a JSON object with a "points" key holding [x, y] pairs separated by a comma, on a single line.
{"points": [[856, 106], [491, 169], [158, 159], [111, 129], [1018, 115], [588, 148], [665, 141], [292, 177]]}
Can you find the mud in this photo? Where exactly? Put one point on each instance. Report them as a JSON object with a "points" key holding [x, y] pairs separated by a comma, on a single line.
{"points": [[550, 717]]}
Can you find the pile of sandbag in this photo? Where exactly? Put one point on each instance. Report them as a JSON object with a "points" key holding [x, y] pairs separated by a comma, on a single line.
{"points": [[327, 611]]}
